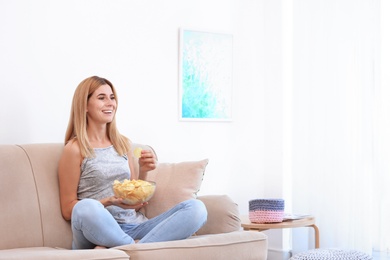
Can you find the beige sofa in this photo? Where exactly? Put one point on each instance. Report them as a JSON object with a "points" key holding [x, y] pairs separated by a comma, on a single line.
{"points": [[31, 225]]}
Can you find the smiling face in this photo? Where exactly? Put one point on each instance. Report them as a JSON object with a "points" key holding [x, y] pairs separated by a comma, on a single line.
{"points": [[101, 105]]}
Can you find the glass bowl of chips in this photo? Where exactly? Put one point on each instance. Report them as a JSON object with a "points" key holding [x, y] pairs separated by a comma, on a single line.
{"points": [[134, 192]]}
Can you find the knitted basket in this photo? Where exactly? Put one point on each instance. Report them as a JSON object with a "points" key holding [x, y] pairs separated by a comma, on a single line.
{"points": [[266, 210]]}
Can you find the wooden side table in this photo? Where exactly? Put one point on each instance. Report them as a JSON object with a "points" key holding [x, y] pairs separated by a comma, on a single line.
{"points": [[308, 221]]}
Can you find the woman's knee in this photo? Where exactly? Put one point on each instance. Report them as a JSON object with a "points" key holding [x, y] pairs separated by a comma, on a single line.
{"points": [[199, 209], [86, 207]]}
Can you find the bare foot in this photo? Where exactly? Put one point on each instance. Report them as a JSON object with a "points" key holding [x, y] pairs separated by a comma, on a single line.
{"points": [[100, 247]]}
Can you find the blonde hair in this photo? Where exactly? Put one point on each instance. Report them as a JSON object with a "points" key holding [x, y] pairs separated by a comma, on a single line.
{"points": [[77, 126]]}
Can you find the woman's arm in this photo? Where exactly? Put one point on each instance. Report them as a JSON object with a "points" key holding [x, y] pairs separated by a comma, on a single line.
{"points": [[69, 176]]}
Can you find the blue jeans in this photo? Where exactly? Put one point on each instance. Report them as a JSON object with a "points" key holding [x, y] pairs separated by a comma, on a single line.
{"points": [[93, 225]]}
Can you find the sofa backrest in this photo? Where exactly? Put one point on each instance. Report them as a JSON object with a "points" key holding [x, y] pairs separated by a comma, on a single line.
{"points": [[29, 197], [30, 213]]}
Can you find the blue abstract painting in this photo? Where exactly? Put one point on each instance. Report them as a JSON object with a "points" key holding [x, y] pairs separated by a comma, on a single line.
{"points": [[206, 67]]}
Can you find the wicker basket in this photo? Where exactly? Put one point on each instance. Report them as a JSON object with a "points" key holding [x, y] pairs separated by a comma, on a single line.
{"points": [[266, 210]]}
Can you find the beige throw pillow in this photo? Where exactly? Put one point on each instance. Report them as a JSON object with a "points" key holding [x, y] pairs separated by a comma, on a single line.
{"points": [[175, 182]]}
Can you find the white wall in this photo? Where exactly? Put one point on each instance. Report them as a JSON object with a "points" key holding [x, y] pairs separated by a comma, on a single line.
{"points": [[48, 47]]}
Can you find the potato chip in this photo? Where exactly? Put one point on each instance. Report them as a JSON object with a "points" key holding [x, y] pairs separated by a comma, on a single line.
{"points": [[134, 192], [137, 152]]}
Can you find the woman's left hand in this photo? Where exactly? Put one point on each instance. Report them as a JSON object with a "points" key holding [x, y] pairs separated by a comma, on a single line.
{"points": [[147, 161]]}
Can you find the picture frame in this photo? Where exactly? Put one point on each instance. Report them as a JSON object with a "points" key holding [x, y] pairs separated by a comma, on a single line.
{"points": [[205, 75]]}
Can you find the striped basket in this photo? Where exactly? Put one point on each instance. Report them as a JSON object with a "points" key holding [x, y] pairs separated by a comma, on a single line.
{"points": [[266, 210]]}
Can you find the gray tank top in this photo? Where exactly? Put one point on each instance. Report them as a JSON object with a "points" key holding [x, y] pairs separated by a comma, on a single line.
{"points": [[97, 176]]}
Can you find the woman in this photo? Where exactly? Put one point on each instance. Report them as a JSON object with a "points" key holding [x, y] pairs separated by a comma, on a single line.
{"points": [[96, 154]]}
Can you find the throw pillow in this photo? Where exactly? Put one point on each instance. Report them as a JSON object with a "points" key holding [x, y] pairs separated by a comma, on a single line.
{"points": [[175, 182]]}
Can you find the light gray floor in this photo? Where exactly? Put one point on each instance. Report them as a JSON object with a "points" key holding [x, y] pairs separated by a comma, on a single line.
{"points": [[381, 255]]}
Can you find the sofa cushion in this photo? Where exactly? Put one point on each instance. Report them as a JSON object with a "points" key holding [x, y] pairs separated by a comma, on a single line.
{"points": [[175, 182], [42, 253], [235, 245]]}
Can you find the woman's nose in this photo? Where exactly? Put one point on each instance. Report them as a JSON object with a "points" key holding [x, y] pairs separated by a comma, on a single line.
{"points": [[111, 102]]}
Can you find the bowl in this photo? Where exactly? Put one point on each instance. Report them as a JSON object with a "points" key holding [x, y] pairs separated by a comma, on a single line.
{"points": [[134, 192]]}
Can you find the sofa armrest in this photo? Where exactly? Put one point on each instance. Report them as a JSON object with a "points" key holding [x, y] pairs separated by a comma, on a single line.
{"points": [[223, 215]]}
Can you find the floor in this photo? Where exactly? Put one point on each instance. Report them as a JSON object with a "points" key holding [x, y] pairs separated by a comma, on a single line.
{"points": [[381, 255]]}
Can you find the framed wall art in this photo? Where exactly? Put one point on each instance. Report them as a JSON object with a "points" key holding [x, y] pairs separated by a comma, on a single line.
{"points": [[205, 76]]}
